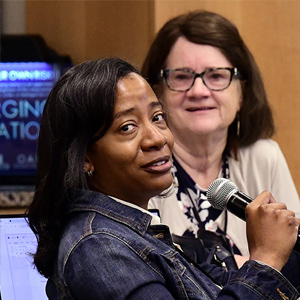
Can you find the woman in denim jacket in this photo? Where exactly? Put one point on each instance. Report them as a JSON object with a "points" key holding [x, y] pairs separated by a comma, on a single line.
{"points": [[104, 150]]}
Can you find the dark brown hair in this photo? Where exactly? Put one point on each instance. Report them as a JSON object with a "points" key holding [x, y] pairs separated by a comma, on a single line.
{"points": [[208, 28]]}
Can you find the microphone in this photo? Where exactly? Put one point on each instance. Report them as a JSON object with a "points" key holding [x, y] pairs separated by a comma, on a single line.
{"points": [[224, 194]]}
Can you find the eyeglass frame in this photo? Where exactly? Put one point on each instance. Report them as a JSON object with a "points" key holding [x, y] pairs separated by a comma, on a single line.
{"points": [[233, 72]]}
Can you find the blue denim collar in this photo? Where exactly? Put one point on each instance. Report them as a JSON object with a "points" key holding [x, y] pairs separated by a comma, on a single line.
{"points": [[87, 200]]}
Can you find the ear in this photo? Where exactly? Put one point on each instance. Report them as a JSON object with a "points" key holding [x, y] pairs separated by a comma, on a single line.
{"points": [[240, 103], [88, 165], [241, 95]]}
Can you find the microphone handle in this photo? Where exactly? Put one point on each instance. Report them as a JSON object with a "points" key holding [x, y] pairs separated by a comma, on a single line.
{"points": [[237, 203]]}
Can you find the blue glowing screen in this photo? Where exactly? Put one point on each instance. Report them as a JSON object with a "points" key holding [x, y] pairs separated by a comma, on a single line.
{"points": [[24, 88]]}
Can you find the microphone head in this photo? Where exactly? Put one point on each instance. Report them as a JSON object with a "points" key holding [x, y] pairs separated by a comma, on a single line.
{"points": [[219, 191]]}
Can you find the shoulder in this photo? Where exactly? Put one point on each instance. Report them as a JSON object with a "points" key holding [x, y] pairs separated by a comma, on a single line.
{"points": [[90, 224], [87, 228], [262, 147], [264, 152], [261, 158], [102, 256], [257, 167], [90, 233], [262, 166]]}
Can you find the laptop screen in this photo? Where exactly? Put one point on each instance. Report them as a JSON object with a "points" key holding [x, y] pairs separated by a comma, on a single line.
{"points": [[19, 280]]}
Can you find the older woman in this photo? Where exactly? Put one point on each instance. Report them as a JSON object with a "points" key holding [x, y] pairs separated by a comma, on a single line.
{"points": [[104, 149], [218, 112]]}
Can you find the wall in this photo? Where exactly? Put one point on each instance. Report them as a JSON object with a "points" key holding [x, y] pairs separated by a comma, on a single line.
{"points": [[12, 14], [93, 29]]}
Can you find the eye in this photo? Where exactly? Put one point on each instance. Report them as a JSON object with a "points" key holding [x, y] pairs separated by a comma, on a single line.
{"points": [[217, 75], [159, 117], [127, 127], [182, 75]]}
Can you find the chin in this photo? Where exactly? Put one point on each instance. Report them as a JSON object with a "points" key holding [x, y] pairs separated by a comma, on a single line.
{"points": [[167, 192], [164, 189], [201, 130]]}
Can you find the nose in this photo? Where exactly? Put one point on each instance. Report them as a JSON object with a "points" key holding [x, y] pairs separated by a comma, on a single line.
{"points": [[153, 138], [199, 88]]}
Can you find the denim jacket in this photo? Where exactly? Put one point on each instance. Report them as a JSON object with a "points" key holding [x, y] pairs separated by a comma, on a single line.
{"points": [[110, 251]]}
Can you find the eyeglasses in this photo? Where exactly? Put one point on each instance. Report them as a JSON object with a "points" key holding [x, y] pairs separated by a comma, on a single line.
{"points": [[216, 79]]}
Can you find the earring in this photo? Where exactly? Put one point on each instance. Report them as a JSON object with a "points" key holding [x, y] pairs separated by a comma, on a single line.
{"points": [[89, 173], [238, 124]]}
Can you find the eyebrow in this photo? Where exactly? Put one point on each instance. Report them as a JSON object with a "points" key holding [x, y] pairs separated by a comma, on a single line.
{"points": [[128, 111]]}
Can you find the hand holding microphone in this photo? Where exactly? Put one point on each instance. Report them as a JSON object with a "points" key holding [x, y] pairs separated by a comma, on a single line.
{"points": [[272, 230]]}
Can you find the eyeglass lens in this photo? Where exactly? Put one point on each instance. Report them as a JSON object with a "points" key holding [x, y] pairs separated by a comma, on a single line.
{"points": [[214, 79]]}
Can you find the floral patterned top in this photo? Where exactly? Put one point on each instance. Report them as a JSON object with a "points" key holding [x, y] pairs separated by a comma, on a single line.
{"points": [[193, 198]]}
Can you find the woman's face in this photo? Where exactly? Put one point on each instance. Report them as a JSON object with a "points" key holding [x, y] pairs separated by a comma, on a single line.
{"points": [[200, 111], [132, 161]]}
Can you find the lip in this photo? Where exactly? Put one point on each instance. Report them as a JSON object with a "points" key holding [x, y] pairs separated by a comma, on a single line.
{"points": [[159, 165], [202, 108]]}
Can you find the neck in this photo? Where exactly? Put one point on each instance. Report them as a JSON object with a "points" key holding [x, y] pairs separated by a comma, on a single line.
{"points": [[202, 159]]}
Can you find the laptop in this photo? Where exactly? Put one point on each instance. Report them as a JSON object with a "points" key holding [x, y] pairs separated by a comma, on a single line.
{"points": [[19, 279]]}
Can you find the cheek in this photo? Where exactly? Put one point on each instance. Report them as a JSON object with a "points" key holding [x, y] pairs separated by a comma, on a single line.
{"points": [[111, 165], [103, 158], [170, 139], [172, 101], [122, 156], [232, 110], [238, 103], [232, 100], [118, 155], [233, 104]]}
